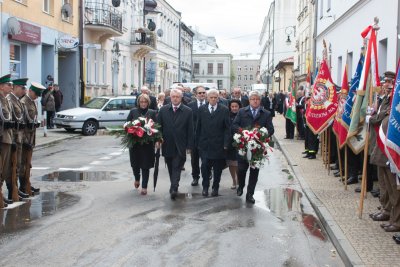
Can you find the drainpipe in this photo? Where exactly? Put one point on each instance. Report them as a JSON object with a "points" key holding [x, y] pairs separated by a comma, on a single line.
{"points": [[81, 81], [315, 34], [179, 52]]}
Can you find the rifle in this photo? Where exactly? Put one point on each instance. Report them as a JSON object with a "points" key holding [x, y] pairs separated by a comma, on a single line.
{"points": [[27, 175]]}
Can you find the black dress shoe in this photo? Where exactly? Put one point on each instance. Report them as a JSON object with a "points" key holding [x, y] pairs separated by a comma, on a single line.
{"points": [[352, 180], [312, 156], [334, 168], [214, 193], [397, 240], [239, 191], [7, 201], [396, 236], [34, 189], [22, 194], [381, 217], [205, 193], [375, 194], [336, 174], [357, 190], [250, 199], [174, 194], [195, 182]]}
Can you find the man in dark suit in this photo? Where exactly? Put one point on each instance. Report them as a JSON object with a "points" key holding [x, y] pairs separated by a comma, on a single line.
{"points": [[269, 103], [237, 94], [300, 102], [176, 123], [200, 93], [250, 117], [213, 137], [153, 99]]}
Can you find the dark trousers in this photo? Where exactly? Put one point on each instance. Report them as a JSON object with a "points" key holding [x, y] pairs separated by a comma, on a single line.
{"points": [[49, 119], [253, 177], [195, 158], [174, 165], [289, 129], [311, 141], [145, 175], [217, 165], [300, 124]]}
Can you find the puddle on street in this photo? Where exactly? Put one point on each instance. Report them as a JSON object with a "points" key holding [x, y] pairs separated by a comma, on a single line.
{"points": [[282, 201], [189, 195], [46, 203], [78, 176]]}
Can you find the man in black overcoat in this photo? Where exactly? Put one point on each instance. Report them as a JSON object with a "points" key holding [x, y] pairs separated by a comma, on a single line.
{"points": [[237, 94], [176, 123], [249, 117], [200, 93], [213, 137]]}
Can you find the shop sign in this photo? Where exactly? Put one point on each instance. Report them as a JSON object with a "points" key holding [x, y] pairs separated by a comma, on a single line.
{"points": [[27, 33], [68, 42]]}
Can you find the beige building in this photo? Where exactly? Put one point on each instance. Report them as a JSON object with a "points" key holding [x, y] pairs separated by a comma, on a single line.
{"points": [[42, 43], [246, 68]]}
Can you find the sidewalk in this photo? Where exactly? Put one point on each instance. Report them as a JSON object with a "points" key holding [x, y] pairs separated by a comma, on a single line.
{"points": [[360, 242], [53, 136]]}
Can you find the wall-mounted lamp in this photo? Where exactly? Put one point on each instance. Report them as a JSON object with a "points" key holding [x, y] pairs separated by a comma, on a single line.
{"points": [[289, 31]]}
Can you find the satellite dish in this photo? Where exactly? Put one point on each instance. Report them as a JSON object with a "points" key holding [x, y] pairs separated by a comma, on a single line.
{"points": [[160, 32], [14, 27], [151, 26], [66, 10], [116, 3]]}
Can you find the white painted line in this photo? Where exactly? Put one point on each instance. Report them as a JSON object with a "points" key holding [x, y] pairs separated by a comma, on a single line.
{"points": [[115, 153], [105, 158], [96, 162], [75, 169], [40, 168]]}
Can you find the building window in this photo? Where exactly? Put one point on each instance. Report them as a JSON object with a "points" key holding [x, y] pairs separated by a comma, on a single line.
{"points": [[251, 68], [88, 66], [239, 77], [251, 77], [209, 68], [245, 68], [239, 68], [382, 55], [245, 87], [15, 61], [196, 69], [245, 77], [48, 6], [210, 81], [103, 67], [63, 14], [219, 83], [96, 69], [220, 68], [339, 70]]}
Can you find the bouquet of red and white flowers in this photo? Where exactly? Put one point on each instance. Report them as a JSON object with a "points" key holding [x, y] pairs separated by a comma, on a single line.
{"points": [[140, 131], [253, 145]]}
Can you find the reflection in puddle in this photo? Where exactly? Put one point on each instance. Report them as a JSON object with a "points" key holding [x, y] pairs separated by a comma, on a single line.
{"points": [[188, 195], [74, 176], [282, 201], [44, 204]]}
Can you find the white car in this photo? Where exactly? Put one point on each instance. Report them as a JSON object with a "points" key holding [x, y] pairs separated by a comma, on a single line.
{"points": [[99, 112]]}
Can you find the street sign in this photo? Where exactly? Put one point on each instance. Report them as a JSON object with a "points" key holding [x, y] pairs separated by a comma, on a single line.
{"points": [[150, 72]]}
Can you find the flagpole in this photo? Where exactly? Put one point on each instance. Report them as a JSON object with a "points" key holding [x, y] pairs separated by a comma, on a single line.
{"points": [[329, 150], [339, 159], [346, 170]]}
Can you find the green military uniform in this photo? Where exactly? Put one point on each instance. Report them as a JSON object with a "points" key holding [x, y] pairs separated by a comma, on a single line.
{"points": [[18, 115], [29, 137], [6, 124]]}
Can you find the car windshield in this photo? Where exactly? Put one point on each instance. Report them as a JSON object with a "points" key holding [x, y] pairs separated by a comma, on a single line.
{"points": [[96, 103]]}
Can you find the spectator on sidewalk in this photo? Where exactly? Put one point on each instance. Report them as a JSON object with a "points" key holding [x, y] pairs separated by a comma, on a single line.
{"points": [[289, 125], [58, 97], [49, 105], [300, 102]]}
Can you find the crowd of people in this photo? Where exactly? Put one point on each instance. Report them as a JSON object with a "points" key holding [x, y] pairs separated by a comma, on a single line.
{"points": [[18, 116], [201, 123]]}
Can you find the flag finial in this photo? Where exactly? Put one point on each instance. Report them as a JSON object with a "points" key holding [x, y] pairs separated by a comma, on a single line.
{"points": [[376, 26]]}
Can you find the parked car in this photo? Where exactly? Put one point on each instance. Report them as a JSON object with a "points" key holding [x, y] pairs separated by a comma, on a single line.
{"points": [[99, 112]]}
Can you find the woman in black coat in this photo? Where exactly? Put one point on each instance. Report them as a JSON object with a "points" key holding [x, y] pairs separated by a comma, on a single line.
{"points": [[231, 155], [142, 155]]}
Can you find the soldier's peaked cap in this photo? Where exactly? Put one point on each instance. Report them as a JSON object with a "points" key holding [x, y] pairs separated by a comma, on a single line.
{"points": [[5, 79], [37, 88], [21, 81]]}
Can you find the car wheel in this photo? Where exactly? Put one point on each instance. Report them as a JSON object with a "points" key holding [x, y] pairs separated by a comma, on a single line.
{"points": [[70, 130], [89, 127]]}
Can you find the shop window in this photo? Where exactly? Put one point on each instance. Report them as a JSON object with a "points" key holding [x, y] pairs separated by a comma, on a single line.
{"points": [[15, 61]]}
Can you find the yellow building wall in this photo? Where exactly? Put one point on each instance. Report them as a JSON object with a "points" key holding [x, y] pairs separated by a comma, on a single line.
{"points": [[32, 11]]}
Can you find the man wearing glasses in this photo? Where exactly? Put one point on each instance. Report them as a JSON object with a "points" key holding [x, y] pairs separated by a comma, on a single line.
{"points": [[249, 117], [200, 93]]}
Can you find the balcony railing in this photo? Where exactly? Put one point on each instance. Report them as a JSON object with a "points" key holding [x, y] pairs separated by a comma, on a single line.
{"points": [[102, 15], [141, 37]]}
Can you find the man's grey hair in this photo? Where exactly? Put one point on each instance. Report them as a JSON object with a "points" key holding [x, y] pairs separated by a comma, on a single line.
{"points": [[254, 93], [144, 87], [212, 91], [174, 90]]}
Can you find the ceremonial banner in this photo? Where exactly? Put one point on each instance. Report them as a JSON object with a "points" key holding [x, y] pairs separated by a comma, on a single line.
{"points": [[323, 101], [357, 129], [339, 130], [291, 108], [393, 133]]}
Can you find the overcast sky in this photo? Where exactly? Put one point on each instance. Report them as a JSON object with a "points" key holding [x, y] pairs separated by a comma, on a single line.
{"points": [[235, 24]]}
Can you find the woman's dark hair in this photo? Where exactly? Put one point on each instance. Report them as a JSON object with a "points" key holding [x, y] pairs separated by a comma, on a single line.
{"points": [[234, 101]]}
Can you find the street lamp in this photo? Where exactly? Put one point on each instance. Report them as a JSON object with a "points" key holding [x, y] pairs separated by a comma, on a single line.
{"points": [[289, 31]]}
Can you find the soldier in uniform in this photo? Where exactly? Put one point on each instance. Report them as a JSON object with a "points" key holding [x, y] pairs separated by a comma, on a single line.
{"points": [[28, 142], [18, 116], [6, 125]]}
